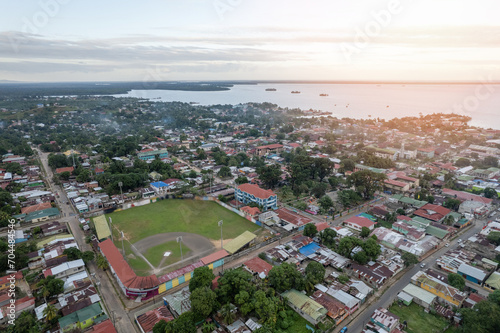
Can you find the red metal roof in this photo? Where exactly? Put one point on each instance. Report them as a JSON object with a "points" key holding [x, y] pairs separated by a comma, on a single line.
{"points": [[432, 212], [256, 191], [258, 265], [122, 269], [61, 170], [361, 221], [149, 319], [272, 146], [104, 327], [250, 210], [322, 226], [290, 217], [214, 257], [180, 271]]}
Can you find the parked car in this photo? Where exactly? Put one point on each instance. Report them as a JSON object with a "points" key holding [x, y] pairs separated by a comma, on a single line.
{"points": [[343, 330], [422, 265], [447, 244]]}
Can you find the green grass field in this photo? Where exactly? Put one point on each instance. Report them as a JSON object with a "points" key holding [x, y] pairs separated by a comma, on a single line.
{"points": [[193, 216], [198, 217], [418, 320], [155, 254]]}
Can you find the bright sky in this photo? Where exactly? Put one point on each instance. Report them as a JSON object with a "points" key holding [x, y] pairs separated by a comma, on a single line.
{"points": [[111, 40]]}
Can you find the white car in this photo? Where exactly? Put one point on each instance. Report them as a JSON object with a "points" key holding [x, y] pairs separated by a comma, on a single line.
{"points": [[459, 240], [447, 244], [422, 265]]}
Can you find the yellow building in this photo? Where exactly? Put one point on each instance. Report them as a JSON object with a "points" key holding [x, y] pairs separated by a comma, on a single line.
{"points": [[445, 292]]}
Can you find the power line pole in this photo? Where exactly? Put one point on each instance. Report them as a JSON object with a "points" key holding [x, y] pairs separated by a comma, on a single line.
{"points": [[111, 225], [123, 248]]}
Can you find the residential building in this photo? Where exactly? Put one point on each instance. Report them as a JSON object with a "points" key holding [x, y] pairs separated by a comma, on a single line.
{"points": [[66, 269], [250, 193], [443, 291], [153, 154], [385, 319], [308, 308], [357, 223], [257, 266], [335, 309], [472, 274], [432, 212], [275, 148], [83, 318]]}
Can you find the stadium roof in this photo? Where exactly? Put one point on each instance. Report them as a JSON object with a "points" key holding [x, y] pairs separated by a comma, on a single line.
{"points": [[101, 227], [214, 257], [240, 241], [123, 271]]}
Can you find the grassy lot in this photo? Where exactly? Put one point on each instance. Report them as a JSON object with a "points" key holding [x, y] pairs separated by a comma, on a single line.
{"points": [[199, 217], [155, 254], [418, 320]]}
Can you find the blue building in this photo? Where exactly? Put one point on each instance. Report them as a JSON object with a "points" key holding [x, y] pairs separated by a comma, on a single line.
{"points": [[472, 274], [151, 155], [248, 193]]}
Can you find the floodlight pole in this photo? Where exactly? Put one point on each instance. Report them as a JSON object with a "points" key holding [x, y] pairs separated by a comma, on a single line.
{"points": [[123, 248], [179, 240], [121, 192], [220, 225], [111, 225]]}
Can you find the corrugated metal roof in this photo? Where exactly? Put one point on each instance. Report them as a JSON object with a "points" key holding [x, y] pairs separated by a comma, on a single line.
{"points": [[472, 271], [179, 301], [494, 280], [101, 227], [309, 306], [419, 293], [240, 241]]}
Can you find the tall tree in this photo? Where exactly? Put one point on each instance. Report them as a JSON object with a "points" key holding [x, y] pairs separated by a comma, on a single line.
{"points": [[202, 277], [270, 175], [203, 301], [366, 182]]}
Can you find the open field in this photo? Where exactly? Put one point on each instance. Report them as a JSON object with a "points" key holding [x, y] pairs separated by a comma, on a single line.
{"points": [[193, 216], [418, 320], [155, 254]]}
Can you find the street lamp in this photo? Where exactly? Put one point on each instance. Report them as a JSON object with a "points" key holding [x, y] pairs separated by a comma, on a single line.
{"points": [[179, 240], [220, 225]]}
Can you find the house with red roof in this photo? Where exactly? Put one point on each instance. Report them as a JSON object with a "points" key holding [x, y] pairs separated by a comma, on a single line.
{"points": [[251, 211], [133, 286], [248, 193], [293, 219], [358, 222], [432, 212], [257, 266], [66, 169], [149, 319]]}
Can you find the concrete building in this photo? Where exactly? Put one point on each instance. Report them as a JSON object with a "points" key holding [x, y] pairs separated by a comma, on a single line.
{"points": [[250, 193]]}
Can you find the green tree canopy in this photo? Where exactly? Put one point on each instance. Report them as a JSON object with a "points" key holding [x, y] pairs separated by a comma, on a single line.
{"points": [[203, 302], [310, 230], [285, 277], [202, 277], [457, 281]]}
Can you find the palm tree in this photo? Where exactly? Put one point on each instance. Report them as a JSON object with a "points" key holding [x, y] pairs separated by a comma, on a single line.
{"points": [[208, 327], [227, 314], [102, 263], [45, 292], [50, 312]]}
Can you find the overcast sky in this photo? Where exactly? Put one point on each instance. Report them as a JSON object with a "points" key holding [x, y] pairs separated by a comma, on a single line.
{"points": [[111, 40]]}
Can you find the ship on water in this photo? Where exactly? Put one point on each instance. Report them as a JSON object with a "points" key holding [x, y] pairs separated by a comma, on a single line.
{"points": [[295, 92], [323, 95], [271, 89]]}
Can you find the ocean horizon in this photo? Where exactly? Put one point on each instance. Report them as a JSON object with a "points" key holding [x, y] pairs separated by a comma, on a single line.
{"points": [[364, 100]]}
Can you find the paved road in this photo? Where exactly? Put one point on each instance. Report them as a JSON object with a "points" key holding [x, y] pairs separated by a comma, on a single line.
{"points": [[108, 293], [386, 299]]}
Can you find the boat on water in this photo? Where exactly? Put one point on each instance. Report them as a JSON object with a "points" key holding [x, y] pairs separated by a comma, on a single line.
{"points": [[295, 92], [193, 103], [323, 95], [271, 89]]}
